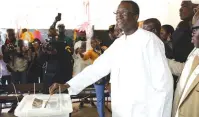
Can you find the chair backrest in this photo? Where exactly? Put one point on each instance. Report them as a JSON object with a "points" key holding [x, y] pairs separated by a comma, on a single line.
{"points": [[23, 88]]}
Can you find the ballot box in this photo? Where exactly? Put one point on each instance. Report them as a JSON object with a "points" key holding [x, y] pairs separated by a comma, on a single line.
{"points": [[59, 105]]}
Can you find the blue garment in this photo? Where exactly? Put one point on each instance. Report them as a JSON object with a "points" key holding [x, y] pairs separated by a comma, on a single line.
{"points": [[99, 89]]}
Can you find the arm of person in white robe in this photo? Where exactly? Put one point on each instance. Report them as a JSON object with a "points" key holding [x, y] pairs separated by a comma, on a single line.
{"points": [[100, 68], [160, 98], [175, 67]]}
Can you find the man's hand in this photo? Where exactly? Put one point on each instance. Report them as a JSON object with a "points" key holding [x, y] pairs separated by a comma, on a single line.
{"points": [[76, 51], [104, 48], [55, 88], [81, 50], [108, 87]]}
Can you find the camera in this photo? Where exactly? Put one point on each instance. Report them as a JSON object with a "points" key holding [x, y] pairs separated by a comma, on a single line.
{"points": [[58, 17], [11, 47], [49, 46]]}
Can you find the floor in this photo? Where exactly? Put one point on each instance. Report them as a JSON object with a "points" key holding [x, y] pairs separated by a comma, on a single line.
{"points": [[87, 111]]}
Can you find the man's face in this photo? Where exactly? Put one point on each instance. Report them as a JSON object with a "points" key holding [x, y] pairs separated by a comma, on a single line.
{"points": [[36, 45], [148, 27], [93, 43], [195, 38], [195, 35], [196, 15], [83, 46], [163, 34], [61, 28], [186, 10], [11, 37], [125, 16]]}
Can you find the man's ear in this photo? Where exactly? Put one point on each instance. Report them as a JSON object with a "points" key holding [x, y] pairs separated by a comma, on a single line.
{"points": [[154, 31], [136, 17]]}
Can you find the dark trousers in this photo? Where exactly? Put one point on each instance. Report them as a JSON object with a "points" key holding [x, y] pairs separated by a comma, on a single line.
{"points": [[19, 77], [6, 78]]}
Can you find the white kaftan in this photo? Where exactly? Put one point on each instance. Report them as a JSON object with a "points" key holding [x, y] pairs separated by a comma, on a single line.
{"points": [[141, 82]]}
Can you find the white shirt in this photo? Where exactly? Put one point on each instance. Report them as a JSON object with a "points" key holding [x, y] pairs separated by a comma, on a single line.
{"points": [[141, 82]]}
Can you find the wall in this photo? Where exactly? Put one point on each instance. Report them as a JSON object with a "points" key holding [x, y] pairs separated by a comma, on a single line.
{"points": [[40, 13]]}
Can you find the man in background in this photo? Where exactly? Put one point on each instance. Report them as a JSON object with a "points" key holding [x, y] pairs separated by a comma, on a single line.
{"points": [[152, 25], [181, 38], [56, 56]]}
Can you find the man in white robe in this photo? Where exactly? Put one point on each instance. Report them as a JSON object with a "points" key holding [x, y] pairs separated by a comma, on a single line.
{"points": [[141, 82]]}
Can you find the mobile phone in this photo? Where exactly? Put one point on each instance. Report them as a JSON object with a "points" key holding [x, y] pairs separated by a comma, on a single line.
{"points": [[58, 18], [59, 15]]}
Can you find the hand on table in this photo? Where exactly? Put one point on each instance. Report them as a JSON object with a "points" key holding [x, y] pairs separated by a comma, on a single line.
{"points": [[54, 88], [104, 48], [108, 87]]}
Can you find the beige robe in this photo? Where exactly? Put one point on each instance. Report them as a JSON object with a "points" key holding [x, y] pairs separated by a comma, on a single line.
{"points": [[186, 100]]}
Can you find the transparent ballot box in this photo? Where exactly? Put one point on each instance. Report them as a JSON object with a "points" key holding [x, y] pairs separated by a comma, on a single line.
{"points": [[59, 105]]}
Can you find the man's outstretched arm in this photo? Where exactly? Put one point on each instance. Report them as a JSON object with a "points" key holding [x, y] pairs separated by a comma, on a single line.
{"points": [[100, 68]]}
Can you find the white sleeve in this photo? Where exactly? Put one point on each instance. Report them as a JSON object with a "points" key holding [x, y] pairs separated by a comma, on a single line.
{"points": [[161, 81], [100, 68], [77, 45], [175, 67]]}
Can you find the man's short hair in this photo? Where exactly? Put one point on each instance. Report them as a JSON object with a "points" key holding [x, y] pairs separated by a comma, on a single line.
{"points": [[10, 31], [154, 22], [168, 28], [134, 5], [24, 30], [61, 26]]}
